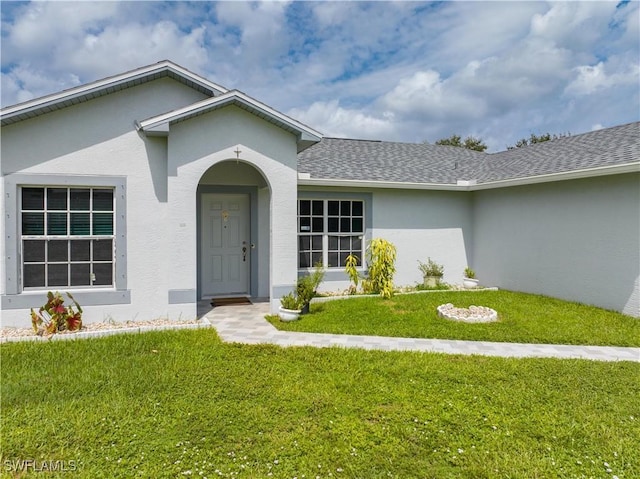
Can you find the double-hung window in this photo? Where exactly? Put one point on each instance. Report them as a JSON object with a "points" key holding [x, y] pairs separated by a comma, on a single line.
{"points": [[67, 237], [329, 231]]}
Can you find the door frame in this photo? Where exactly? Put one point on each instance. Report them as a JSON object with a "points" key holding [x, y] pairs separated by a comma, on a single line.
{"points": [[252, 191]]}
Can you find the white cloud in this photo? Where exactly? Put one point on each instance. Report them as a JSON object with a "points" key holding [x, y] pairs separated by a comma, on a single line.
{"points": [[591, 79]]}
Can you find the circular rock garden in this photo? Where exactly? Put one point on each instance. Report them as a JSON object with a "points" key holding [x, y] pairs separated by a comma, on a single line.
{"points": [[472, 314]]}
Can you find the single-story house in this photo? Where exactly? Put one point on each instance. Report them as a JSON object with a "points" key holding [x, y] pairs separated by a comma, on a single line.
{"points": [[146, 192]]}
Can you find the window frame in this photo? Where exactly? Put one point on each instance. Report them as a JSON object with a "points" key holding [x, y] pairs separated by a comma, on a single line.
{"points": [[17, 297], [48, 237], [334, 272]]}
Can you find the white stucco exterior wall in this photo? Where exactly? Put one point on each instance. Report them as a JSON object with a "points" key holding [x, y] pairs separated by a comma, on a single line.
{"points": [[576, 240], [422, 224], [197, 144]]}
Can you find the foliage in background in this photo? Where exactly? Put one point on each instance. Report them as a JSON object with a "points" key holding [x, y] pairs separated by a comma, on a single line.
{"points": [[381, 262], [533, 139], [54, 316], [470, 143]]}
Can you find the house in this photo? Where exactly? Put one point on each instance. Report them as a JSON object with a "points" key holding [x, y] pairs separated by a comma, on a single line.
{"points": [[148, 191]]}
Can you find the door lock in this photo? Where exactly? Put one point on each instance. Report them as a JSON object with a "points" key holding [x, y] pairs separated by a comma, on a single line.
{"points": [[244, 253]]}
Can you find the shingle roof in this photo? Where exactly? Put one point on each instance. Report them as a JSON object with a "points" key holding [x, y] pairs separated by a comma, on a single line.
{"points": [[379, 161], [343, 159]]}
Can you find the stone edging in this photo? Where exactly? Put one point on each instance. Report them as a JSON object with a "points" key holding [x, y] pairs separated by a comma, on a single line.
{"points": [[202, 323]]}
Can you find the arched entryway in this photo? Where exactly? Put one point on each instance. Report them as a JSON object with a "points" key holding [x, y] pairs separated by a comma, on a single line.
{"points": [[233, 212]]}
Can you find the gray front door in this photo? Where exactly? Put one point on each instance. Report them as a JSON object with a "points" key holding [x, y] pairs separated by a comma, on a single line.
{"points": [[225, 243]]}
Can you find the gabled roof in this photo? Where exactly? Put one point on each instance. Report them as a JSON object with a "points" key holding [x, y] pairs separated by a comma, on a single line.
{"points": [[344, 162], [160, 125], [82, 93]]}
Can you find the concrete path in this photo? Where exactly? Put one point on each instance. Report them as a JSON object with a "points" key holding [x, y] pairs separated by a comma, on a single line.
{"points": [[246, 324]]}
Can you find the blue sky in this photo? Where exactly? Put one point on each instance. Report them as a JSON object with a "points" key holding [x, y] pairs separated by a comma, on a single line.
{"points": [[397, 71]]}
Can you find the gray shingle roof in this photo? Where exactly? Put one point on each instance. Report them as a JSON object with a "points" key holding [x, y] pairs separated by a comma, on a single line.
{"points": [[344, 159]]}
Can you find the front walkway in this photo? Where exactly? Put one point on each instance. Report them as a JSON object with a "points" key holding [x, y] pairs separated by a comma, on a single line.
{"points": [[246, 324]]}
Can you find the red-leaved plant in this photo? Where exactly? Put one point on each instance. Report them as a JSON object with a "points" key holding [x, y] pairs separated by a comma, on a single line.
{"points": [[54, 316]]}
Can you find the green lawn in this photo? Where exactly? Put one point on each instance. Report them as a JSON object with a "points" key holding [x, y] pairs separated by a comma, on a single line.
{"points": [[182, 404], [523, 318]]}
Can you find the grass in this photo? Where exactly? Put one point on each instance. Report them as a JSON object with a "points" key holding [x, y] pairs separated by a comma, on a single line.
{"points": [[183, 404], [523, 318]]}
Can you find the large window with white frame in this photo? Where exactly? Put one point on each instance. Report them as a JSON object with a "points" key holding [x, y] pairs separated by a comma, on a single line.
{"points": [[329, 230], [67, 237]]}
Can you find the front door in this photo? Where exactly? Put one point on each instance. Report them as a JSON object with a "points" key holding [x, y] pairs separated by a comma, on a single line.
{"points": [[225, 245]]}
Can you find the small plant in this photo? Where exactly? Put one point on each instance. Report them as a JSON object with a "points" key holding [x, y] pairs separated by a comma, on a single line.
{"points": [[350, 267], [431, 268], [307, 286], [382, 266], [469, 273], [291, 301], [54, 316]]}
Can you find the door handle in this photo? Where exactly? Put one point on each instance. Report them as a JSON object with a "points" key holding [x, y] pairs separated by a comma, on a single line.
{"points": [[244, 253]]}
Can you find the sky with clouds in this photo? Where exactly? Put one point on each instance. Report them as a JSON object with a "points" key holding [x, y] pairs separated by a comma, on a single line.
{"points": [[397, 71]]}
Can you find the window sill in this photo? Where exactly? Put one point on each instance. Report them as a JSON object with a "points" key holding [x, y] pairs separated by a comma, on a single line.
{"points": [[35, 299]]}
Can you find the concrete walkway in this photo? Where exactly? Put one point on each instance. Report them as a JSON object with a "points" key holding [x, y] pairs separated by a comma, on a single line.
{"points": [[246, 324]]}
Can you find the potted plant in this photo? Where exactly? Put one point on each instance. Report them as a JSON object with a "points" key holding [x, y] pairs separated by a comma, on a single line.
{"points": [[307, 287], [469, 281], [432, 273], [290, 307]]}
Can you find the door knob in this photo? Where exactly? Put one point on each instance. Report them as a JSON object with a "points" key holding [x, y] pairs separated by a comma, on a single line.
{"points": [[244, 253]]}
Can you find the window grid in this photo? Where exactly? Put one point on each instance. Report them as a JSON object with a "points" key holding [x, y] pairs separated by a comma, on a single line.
{"points": [[329, 231], [67, 237]]}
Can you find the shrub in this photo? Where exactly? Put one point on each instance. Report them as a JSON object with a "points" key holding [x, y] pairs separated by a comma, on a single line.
{"points": [[350, 267], [307, 286], [291, 301], [381, 256], [431, 268], [54, 316]]}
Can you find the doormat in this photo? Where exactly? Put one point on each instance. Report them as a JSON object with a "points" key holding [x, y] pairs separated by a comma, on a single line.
{"points": [[230, 301]]}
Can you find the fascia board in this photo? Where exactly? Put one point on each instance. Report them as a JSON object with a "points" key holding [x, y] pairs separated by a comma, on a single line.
{"points": [[304, 132], [76, 92], [305, 180]]}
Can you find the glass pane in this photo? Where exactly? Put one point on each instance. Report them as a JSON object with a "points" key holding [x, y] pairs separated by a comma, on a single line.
{"points": [[304, 207], [333, 260], [58, 250], [356, 225], [102, 250], [318, 208], [356, 208], [32, 223], [103, 223], [356, 244], [304, 243], [345, 243], [317, 225], [102, 200], [345, 225], [33, 251], [57, 275], [80, 274], [56, 198], [343, 258], [80, 199], [33, 275], [103, 274], [333, 208], [316, 257], [305, 224], [57, 224], [316, 243], [33, 198], [80, 224], [80, 251], [333, 243], [332, 225], [345, 208], [304, 260]]}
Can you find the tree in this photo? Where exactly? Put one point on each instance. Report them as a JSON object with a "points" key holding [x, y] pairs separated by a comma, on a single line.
{"points": [[470, 143], [533, 139]]}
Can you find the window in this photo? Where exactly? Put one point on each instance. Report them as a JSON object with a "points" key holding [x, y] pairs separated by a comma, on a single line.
{"points": [[329, 231], [67, 237]]}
